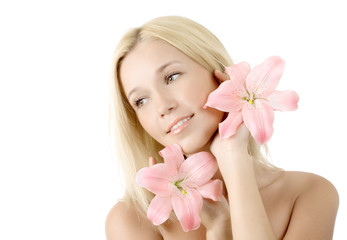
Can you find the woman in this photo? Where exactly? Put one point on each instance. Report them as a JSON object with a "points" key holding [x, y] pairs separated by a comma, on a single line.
{"points": [[164, 72]]}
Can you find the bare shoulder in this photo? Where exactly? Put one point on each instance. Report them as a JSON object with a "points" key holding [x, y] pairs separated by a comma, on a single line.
{"points": [[308, 183], [315, 206], [125, 222]]}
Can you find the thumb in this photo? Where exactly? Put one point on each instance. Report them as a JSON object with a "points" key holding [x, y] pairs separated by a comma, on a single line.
{"points": [[214, 212], [221, 76], [152, 161]]}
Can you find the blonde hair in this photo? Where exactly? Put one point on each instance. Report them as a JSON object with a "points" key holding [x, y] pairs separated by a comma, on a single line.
{"points": [[133, 144]]}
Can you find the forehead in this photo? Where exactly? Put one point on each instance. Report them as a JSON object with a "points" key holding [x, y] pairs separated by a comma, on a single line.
{"points": [[150, 52], [146, 59]]}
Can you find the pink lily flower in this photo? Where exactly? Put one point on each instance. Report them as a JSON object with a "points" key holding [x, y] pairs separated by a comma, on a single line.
{"points": [[180, 185], [250, 97]]}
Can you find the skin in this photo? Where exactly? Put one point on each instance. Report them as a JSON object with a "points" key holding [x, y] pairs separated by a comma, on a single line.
{"points": [[258, 203], [165, 94]]}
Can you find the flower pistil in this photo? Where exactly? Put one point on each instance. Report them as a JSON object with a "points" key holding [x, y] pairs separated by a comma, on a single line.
{"points": [[179, 187]]}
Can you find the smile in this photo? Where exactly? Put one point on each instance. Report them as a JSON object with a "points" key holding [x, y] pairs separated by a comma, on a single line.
{"points": [[179, 126]]}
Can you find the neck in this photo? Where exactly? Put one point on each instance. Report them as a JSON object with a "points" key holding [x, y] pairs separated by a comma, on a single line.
{"points": [[264, 175]]}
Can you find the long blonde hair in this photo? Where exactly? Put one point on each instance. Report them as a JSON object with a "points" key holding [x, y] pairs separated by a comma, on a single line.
{"points": [[133, 145]]}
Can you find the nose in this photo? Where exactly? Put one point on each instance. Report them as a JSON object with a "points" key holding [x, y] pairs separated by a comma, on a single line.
{"points": [[166, 112], [165, 104]]}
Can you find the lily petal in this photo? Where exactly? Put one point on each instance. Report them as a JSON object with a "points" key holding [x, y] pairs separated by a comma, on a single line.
{"points": [[229, 126], [258, 118], [213, 189], [159, 209], [198, 169], [263, 78], [227, 97], [173, 156], [238, 71], [156, 178], [187, 209], [284, 100]]}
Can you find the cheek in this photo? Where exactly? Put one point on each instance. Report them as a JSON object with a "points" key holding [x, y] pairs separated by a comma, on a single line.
{"points": [[215, 116], [150, 125], [146, 123], [197, 93]]}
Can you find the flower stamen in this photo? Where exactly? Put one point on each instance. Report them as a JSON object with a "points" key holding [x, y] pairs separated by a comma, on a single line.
{"points": [[177, 184], [250, 99]]}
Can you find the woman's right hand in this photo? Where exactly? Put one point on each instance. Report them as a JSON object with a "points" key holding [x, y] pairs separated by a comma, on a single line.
{"points": [[215, 216]]}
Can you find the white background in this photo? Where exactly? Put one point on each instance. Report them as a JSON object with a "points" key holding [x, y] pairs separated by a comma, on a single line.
{"points": [[57, 179]]}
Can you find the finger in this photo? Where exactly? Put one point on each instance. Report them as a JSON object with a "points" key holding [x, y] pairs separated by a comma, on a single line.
{"points": [[242, 133], [221, 76], [152, 161], [243, 130], [207, 213], [213, 212]]}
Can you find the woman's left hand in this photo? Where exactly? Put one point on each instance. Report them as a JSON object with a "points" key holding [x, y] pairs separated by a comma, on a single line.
{"points": [[235, 143]]}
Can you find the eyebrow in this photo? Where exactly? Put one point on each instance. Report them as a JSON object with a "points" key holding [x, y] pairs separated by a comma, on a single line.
{"points": [[159, 70]]}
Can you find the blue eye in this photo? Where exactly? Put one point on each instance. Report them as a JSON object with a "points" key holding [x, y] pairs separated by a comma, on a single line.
{"points": [[171, 77]]}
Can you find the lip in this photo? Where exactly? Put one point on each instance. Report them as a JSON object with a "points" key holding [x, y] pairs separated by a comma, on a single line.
{"points": [[176, 121]]}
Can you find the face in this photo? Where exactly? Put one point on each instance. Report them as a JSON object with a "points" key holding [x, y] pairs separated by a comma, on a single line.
{"points": [[168, 90]]}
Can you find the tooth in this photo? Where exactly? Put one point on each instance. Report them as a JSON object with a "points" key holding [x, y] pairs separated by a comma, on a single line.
{"points": [[179, 123]]}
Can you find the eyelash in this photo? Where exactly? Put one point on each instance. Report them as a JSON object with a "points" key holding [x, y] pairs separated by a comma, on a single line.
{"points": [[137, 102], [167, 81], [167, 77]]}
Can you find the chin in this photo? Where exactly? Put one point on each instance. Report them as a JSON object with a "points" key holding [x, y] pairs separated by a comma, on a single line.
{"points": [[197, 144], [190, 150], [201, 140]]}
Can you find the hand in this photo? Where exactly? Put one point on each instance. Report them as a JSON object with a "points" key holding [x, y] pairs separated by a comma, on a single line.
{"points": [[237, 142], [215, 216], [221, 76], [152, 161]]}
